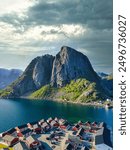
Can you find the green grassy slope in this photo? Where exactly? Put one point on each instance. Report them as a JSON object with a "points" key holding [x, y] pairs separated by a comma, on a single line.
{"points": [[80, 90]]}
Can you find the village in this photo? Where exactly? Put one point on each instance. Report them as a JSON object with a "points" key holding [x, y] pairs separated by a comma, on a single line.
{"points": [[57, 134]]}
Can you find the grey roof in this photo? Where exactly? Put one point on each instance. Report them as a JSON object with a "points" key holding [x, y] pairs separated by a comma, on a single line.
{"points": [[100, 131], [20, 146], [26, 131], [103, 136], [49, 119], [8, 138], [30, 139], [44, 125], [101, 124], [107, 136], [53, 122], [42, 120], [99, 137], [80, 132], [84, 148], [62, 120], [68, 147], [35, 126]]}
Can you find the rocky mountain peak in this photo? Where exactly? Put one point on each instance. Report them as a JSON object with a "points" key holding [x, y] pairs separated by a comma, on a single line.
{"points": [[68, 52], [70, 64]]}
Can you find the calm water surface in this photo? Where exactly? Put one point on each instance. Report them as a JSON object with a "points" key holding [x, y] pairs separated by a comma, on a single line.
{"points": [[15, 112]]}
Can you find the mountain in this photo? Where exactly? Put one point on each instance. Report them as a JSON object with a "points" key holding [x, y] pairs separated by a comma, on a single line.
{"points": [[37, 74], [70, 64], [67, 76], [8, 76], [108, 83], [102, 74]]}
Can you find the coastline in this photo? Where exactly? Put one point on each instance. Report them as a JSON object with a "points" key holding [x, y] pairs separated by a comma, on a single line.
{"points": [[94, 104]]}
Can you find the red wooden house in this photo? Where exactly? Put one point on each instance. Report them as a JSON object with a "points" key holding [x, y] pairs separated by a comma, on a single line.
{"points": [[32, 143], [10, 140]]}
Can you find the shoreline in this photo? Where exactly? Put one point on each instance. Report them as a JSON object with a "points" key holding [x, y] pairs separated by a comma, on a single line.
{"points": [[94, 104]]}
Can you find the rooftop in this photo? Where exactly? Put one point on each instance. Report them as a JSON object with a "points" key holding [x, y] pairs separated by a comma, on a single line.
{"points": [[64, 137], [8, 138]]}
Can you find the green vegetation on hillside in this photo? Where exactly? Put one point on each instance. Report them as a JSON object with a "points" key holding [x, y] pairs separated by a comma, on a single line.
{"points": [[9, 89], [44, 92], [6, 92], [80, 90], [109, 77]]}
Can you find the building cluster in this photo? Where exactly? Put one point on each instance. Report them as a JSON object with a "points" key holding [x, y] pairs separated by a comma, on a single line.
{"points": [[58, 134]]}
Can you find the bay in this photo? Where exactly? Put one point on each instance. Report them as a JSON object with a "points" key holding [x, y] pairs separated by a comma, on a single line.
{"points": [[14, 112]]}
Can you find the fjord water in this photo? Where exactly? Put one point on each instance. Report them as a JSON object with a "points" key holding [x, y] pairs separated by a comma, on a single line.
{"points": [[14, 112]]}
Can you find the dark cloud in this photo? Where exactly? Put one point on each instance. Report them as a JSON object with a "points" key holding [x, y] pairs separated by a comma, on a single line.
{"points": [[95, 14]]}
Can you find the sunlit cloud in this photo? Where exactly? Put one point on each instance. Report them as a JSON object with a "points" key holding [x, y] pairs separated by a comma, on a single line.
{"points": [[19, 6], [35, 27]]}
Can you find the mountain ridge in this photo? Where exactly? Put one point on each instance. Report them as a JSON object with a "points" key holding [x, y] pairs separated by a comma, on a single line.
{"points": [[7, 76], [58, 72]]}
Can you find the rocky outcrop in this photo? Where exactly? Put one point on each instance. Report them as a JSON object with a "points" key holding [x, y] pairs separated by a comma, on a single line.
{"points": [[70, 64], [42, 70], [37, 74]]}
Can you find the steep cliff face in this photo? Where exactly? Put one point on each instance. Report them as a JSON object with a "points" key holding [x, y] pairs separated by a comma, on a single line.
{"points": [[70, 64], [42, 70], [37, 74]]}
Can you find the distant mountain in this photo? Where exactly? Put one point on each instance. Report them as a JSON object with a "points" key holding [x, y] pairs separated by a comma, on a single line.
{"points": [[102, 74], [69, 75], [8, 76], [108, 83]]}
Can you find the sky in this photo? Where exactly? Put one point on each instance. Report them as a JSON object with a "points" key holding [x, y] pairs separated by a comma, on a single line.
{"points": [[31, 28]]}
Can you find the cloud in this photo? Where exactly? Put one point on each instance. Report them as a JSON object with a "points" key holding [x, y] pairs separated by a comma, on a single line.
{"points": [[95, 14], [39, 26]]}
